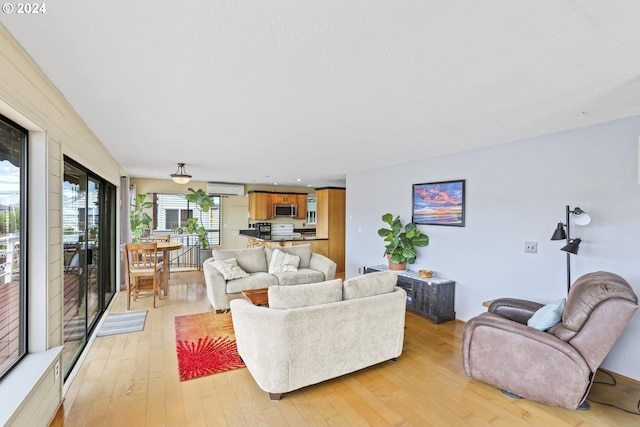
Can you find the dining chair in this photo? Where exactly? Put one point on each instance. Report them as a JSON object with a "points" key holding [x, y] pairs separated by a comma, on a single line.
{"points": [[159, 237], [142, 270]]}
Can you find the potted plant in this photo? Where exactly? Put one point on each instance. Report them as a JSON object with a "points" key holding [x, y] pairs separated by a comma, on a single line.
{"points": [[196, 225], [139, 220], [401, 242]]}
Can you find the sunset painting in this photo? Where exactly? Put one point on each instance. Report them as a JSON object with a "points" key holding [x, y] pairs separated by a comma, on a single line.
{"points": [[439, 203]]}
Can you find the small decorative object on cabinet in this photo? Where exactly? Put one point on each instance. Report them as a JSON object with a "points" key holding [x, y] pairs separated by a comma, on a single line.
{"points": [[432, 297]]}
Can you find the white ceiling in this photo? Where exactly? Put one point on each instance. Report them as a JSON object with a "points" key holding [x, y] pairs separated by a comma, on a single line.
{"points": [[269, 91]]}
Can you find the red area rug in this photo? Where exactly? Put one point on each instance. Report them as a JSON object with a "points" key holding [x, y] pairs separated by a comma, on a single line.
{"points": [[206, 345]]}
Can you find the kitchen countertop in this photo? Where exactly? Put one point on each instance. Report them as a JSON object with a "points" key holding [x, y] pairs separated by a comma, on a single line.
{"points": [[270, 238]]}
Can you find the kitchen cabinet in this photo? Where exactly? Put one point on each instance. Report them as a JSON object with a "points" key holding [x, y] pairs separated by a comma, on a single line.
{"points": [[331, 220], [301, 201], [260, 205], [285, 199]]}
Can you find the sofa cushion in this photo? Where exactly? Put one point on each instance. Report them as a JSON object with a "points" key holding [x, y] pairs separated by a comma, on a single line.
{"points": [[282, 261], [369, 284], [251, 260], [547, 316], [303, 251], [286, 297], [258, 280], [303, 275], [230, 269]]}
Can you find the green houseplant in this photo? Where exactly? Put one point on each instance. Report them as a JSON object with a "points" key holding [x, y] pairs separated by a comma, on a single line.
{"points": [[195, 225], [401, 241], [139, 220]]}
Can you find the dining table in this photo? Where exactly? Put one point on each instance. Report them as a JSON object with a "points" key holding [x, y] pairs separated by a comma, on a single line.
{"points": [[166, 248]]}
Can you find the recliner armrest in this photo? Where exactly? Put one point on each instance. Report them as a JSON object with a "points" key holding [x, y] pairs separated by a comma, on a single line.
{"points": [[518, 310]]}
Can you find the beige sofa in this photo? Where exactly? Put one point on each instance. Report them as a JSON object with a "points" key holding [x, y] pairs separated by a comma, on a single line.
{"points": [[255, 263], [314, 332]]}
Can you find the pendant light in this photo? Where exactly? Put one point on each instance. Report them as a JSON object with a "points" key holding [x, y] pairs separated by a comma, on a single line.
{"points": [[180, 177]]}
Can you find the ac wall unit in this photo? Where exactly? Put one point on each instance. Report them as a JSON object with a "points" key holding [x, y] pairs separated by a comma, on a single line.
{"points": [[223, 189]]}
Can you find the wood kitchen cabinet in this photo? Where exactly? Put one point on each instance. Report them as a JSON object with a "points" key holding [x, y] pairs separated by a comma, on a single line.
{"points": [[331, 222], [260, 205], [301, 201], [285, 199]]}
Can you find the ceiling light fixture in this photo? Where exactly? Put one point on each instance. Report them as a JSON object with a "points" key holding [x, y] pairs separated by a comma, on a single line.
{"points": [[180, 177]]}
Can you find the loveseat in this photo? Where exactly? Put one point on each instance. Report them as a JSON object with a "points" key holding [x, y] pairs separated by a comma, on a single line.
{"points": [[231, 271], [314, 332]]}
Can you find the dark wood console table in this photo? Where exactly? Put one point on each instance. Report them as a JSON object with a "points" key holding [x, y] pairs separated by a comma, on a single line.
{"points": [[433, 297]]}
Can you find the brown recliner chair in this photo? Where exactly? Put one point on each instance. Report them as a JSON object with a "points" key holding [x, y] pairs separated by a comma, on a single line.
{"points": [[555, 366]]}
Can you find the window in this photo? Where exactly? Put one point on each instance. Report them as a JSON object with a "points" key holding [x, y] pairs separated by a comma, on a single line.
{"points": [[173, 210], [175, 218], [13, 301]]}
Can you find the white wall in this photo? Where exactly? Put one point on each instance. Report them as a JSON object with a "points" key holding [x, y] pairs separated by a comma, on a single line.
{"points": [[517, 192]]}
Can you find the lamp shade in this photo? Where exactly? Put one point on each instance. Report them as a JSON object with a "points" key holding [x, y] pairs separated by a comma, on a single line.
{"points": [[572, 247], [559, 234], [180, 177], [580, 217]]}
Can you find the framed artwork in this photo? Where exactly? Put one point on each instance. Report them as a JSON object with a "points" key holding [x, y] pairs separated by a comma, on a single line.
{"points": [[439, 203]]}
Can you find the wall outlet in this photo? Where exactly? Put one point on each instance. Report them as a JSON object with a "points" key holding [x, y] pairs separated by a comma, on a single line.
{"points": [[531, 247], [56, 371]]}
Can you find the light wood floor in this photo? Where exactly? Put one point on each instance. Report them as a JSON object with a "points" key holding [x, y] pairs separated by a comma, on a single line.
{"points": [[132, 380]]}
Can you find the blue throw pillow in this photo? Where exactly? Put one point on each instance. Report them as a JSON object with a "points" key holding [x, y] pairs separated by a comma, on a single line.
{"points": [[547, 316]]}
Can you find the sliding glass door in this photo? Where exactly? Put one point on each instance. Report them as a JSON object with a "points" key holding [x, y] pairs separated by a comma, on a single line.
{"points": [[88, 214]]}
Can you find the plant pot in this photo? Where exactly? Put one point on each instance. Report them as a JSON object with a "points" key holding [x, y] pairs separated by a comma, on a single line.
{"points": [[204, 255], [396, 267]]}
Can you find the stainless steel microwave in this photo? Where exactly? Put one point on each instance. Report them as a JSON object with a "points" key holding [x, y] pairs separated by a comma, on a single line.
{"points": [[288, 211]]}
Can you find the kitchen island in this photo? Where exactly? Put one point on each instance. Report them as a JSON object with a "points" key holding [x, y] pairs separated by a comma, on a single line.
{"points": [[318, 244]]}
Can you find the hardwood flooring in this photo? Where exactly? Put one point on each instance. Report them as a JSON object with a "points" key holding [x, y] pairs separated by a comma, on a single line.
{"points": [[132, 380]]}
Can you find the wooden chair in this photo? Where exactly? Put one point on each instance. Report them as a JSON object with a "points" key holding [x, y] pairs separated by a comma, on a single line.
{"points": [[159, 238], [142, 270]]}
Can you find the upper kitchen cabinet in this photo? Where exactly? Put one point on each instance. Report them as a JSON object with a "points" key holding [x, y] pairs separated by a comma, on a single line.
{"points": [[301, 201], [260, 205], [285, 199]]}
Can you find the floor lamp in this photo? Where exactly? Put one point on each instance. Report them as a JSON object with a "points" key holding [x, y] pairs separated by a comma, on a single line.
{"points": [[579, 217]]}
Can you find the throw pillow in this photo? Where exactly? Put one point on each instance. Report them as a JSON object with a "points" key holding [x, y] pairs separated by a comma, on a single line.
{"points": [[282, 261], [230, 269], [547, 316], [370, 284], [303, 251], [286, 297]]}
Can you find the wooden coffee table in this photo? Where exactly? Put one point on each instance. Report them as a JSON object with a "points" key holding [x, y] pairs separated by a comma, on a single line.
{"points": [[257, 296]]}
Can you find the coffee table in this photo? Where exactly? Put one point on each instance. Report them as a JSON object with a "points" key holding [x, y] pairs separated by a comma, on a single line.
{"points": [[257, 296]]}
